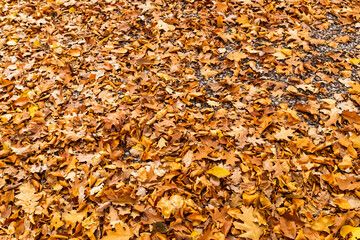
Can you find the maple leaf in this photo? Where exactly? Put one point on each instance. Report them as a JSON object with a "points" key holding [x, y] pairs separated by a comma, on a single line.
{"points": [[250, 225], [28, 198], [122, 232]]}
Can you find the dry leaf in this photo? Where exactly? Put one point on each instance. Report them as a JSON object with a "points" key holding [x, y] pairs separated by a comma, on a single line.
{"points": [[218, 172], [122, 232], [27, 198], [250, 227]]}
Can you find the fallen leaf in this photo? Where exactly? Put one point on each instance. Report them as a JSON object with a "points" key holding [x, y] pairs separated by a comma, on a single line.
{"points": [[346, 229], [27, 198], [218, 172], [122, 232], [251, 229]]}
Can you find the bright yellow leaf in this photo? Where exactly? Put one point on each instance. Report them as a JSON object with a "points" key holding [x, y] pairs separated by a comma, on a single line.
{"points": [[219, 172], [194, 234], [355, 61], [33, 109], [163, 76], [37, 44], [355, 232], [286, 51], [343, 204]]}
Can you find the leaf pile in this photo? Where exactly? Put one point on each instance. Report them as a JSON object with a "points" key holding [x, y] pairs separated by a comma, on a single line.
{"points": [[183, 119]]}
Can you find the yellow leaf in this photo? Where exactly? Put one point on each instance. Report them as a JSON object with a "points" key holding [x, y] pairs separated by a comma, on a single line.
{"points": [[286, 51], [197, 217], [194, 234], [355, 231], [71, 10], [139, 147], [219, 172], [208, 73], [237, 56], [234, 213], [279, 55], [343, 204], [25, 93], [6, 117], [354, 61], [37, 44], [323, 223], [6, 145], [355, 140], [33, 109], [163, 76], [164, 26], [346, 73], [58, 50]]}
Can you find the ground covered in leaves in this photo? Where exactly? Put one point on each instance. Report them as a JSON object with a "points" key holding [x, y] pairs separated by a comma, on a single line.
{"points": [[124, 119]]}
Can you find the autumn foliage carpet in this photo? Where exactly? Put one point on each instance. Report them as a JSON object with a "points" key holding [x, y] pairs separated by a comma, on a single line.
{"points": [[192, 119]]}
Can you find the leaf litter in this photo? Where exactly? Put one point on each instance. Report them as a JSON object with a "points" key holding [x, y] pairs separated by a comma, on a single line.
{"points": [[179, 119]]}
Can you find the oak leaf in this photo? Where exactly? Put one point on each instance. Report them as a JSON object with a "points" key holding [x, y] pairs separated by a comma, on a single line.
{"points": [[250, 225], [208, 73], [73, 217], [56, 221], [164, 26], [28, 198], [122, 232], [284, 134], [170, 205], [237, 56]]}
